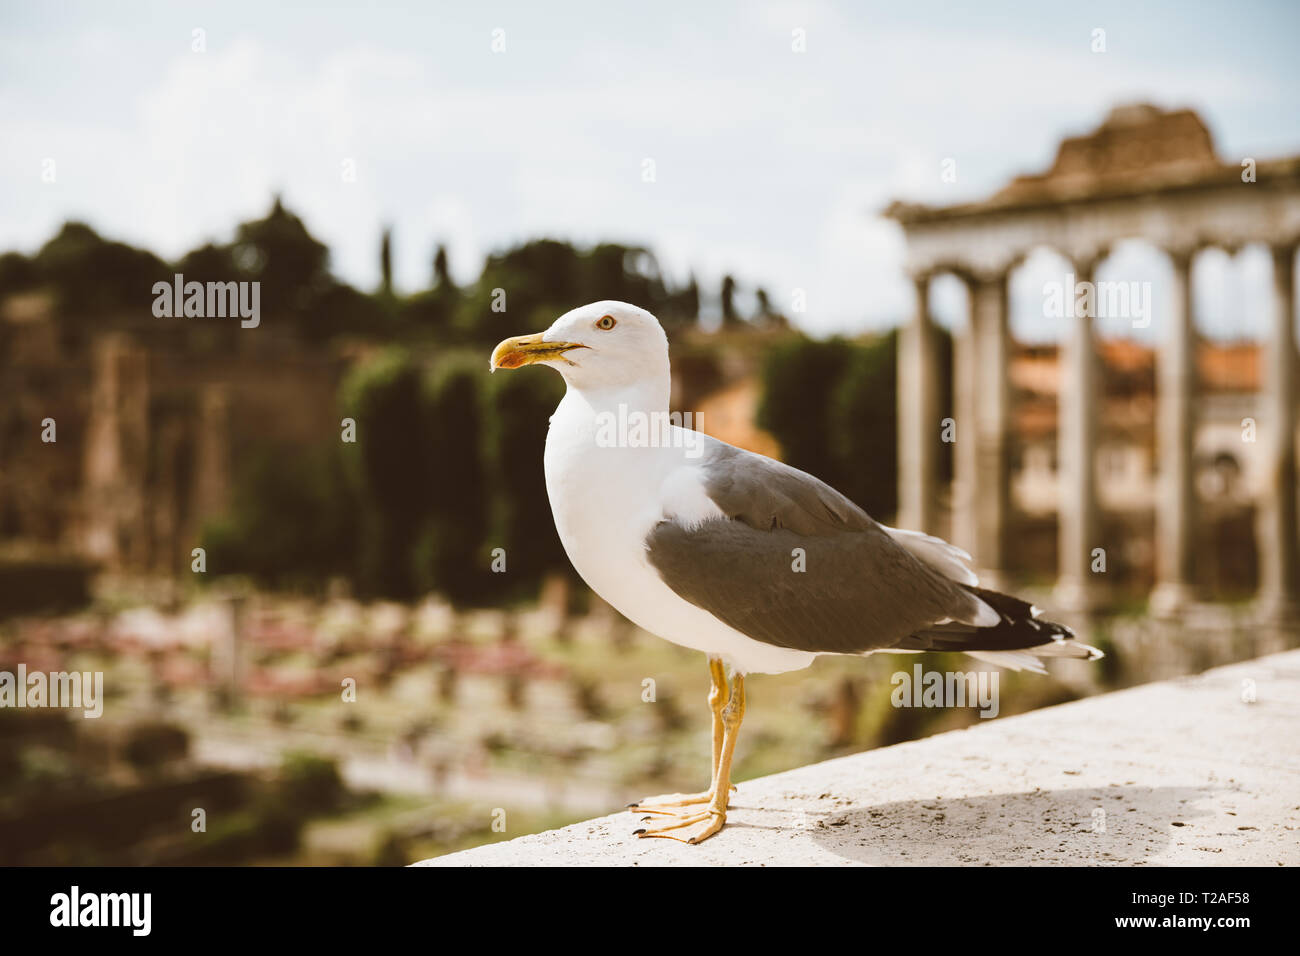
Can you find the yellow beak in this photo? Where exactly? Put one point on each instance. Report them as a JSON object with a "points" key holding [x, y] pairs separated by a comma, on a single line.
{"points": [[527, 349]]}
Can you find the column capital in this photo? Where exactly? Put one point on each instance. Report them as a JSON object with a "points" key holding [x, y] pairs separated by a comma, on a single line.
{"points": [[984, 276], [1085, 261], [1181, 254]]}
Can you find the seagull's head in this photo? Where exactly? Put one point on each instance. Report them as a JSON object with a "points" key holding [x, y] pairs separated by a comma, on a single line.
{"points": [[602, 345]]}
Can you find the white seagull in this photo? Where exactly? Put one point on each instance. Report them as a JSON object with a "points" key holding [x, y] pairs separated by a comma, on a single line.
{"points": [[757, 564]]}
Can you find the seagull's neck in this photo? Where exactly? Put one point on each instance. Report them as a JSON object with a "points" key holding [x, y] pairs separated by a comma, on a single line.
{"points": [[646, 396], [580, 461]]}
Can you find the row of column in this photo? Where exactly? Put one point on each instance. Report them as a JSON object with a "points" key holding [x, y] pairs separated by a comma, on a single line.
{"points": [[982, 396], [981, 430]]}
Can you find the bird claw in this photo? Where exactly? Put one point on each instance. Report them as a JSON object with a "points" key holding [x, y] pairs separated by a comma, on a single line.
{"points": [[693, 828], [672, 804]]}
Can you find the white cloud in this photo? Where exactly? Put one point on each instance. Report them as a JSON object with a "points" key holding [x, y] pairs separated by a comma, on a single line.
{"points": [[770, 165]]}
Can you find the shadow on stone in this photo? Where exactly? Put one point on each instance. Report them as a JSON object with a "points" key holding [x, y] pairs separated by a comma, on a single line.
{"points": [[1119, 824]]}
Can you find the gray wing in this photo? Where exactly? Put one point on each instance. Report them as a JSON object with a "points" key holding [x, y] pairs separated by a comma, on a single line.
{"points": [[859, 590]]}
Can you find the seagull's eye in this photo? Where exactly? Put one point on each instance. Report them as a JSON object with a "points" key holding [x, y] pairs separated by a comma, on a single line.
{"points": [[606, 322]]}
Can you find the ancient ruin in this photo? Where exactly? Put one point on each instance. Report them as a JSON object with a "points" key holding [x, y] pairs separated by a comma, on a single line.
{"points": [[1143, 174]]}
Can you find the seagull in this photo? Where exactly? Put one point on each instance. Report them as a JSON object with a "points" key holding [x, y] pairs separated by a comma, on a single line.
{"points": [[759, 565]]}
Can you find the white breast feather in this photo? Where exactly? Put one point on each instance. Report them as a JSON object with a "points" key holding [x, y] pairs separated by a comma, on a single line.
{"points": [[685, 500]]}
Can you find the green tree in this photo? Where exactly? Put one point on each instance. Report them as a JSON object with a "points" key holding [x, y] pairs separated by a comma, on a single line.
{"points": [[340, 309], [386, 263], [540, 280], [522, 290], [626, 273], [451, 556], [684, 304], [385, 398], [521, 409], [291, 265], [292, 521], [434, 310], [310, 784], [150, 746], [833, 408], [91, 275], [863, 418], [800, 377], [441, 271], [209, 263], [296, 290], [730, 316], [17, 273]]}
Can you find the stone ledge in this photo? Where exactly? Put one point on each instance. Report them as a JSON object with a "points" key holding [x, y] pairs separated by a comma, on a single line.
{"points": [[1183, 771]]}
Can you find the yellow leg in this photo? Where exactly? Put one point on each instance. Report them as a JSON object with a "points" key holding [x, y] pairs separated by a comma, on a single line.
{"points": [[718, 696], [696, 827]]}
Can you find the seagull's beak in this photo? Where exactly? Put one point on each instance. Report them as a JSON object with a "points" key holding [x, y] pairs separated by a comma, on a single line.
{"points": [[527, 349]]}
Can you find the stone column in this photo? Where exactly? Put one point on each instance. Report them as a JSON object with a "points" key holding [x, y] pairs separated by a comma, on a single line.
{"points": [[918, 416], [115, 501], [983, 451], [1279, 564], [965, 396], [993, 478], [213, 467], [1176, 417], [1079, 588]]}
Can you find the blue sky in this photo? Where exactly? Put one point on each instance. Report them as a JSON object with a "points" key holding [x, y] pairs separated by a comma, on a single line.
{"points": [[769, 164]]}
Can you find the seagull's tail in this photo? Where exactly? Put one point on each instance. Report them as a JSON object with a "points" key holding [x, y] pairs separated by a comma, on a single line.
{"points": [[1017, 641]]}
